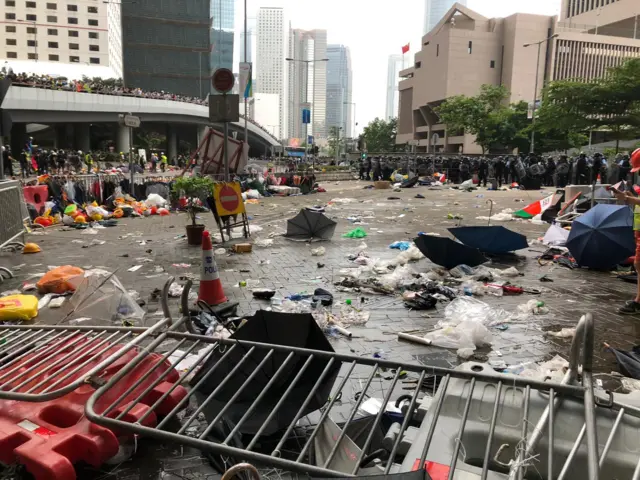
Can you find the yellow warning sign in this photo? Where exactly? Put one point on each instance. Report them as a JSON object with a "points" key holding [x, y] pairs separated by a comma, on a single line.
{"points": [[228, 198]]}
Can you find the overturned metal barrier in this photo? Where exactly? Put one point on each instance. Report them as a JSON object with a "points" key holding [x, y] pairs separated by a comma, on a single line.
{"points": [[484, 424]]}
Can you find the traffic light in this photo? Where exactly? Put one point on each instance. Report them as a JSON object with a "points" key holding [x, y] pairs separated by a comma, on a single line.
{"points": [[316, 149], [364, 155]]}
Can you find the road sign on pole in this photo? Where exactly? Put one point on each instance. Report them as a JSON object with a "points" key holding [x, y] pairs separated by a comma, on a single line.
{"points": [[223, 80], [131, 121], [224, 108]]}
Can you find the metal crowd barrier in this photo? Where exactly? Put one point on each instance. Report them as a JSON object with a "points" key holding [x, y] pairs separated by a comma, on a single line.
{"points": [[476, 424], [13, 215]]}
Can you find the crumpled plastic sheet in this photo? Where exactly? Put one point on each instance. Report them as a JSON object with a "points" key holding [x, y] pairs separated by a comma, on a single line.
{"points": [[318, 252], [505, 215], [263, 242], [401, 275], [468, 308], [465, 337]]}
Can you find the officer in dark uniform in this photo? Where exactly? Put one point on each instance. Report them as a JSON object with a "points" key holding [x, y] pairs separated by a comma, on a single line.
{"points": [[483, 172]]}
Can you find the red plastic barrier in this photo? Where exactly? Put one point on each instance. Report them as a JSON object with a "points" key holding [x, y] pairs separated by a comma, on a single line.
{"points": [[36, 196], [49, 437]]}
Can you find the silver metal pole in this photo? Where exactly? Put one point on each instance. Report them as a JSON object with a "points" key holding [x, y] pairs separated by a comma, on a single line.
{"points": [[338, 146], [226, 151], [535, 97], [200, 71], [131, 171], [246, 126], [306, 125]]}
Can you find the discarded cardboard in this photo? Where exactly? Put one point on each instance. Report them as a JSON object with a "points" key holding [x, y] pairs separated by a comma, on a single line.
{"points": [[243, 248], [382, 184]]}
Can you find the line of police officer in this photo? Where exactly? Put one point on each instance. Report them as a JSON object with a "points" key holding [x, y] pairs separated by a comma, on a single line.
{"points": [[549, 171]]}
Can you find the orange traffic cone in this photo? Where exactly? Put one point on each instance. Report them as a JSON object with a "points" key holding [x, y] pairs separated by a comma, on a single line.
{"points": [[210, 285]]}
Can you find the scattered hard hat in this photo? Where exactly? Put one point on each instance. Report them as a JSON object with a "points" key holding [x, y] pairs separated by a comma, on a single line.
{"points": [[31, 248], [635, 161], [80, 219]]}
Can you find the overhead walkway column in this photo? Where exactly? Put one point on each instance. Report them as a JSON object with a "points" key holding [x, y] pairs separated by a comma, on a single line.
{"points": [[122, 140], [172, 144], [82, 136]]}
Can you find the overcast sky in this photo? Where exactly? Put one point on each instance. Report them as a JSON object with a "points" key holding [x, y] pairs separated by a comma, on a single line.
{"points": [[375, 29]]}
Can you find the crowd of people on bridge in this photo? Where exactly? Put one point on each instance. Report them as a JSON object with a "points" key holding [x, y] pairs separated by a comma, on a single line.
{"points": [[99, 86]]}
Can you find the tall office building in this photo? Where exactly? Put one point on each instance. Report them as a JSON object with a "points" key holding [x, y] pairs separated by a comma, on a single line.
{"points": [[223, 14], [434, 10], [339, 94], [222, 33], [393, 76], [87, 34], [269, 65], [166, 45], [590, 38], [307, 82]]}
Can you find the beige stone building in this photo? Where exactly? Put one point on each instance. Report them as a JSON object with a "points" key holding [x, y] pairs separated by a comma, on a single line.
{"points": [[466, 50]]}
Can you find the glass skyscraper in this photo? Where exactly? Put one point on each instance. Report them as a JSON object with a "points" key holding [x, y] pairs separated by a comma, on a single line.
{"points": [[222, 33], [166, 45], [434, 10], [223, 14], [339, 78]]}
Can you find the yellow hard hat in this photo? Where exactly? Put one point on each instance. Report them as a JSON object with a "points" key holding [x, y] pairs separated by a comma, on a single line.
{"points": [[31, 248]]}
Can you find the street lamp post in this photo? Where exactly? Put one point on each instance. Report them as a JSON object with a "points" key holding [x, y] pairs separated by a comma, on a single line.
{"points": [[246, 125], [355, 124], [535, 90], [306, 128]]}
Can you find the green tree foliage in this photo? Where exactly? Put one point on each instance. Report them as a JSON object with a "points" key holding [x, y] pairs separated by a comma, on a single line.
{"points": [[570, 109], [333, 141], [380, 135], [495, 125]]}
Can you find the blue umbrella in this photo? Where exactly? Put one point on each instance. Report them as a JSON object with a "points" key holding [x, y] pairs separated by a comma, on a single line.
{"points": [[602, 237], [490, 239]]}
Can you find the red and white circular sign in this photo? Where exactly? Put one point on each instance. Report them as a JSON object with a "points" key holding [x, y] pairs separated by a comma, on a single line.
{"points": [[223, 80], [229, 198]]}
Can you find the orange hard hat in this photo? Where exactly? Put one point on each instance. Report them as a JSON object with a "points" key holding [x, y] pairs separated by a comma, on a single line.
{"points": [[635, 160]]}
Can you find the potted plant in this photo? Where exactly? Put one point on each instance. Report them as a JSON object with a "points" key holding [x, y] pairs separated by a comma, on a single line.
{"points": [[195, 189]]}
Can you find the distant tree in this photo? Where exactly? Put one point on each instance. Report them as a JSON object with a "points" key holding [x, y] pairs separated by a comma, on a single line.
{"points": [[333, 141], [570, 109], [151, 140], [380, 135], [495, 125]]}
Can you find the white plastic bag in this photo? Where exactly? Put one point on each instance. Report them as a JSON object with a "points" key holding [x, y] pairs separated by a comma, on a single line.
{"points": [[155, 200], [470, 309], [318, 252], [398, 277], [466, 335]]}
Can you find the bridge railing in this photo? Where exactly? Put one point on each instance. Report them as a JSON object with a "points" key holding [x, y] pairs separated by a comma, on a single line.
{"points": [[98, 91]]}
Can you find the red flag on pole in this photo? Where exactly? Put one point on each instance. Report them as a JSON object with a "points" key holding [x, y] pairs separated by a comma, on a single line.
{"points": [[405, 48]]}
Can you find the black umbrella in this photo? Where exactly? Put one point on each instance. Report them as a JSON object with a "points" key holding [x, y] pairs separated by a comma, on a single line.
{"points": [[491, 239], [308, 225], [447, 253], [287, 329], [628, 361]]}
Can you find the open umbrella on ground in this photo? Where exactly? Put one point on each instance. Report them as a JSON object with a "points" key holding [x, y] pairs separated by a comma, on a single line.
{"points": [[490, 239], [602, 237], [286, 329], [309, 225], [448, 253]]}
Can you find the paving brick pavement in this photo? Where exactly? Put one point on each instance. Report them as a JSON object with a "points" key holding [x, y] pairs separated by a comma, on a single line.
{"points": [[289, 268]]}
